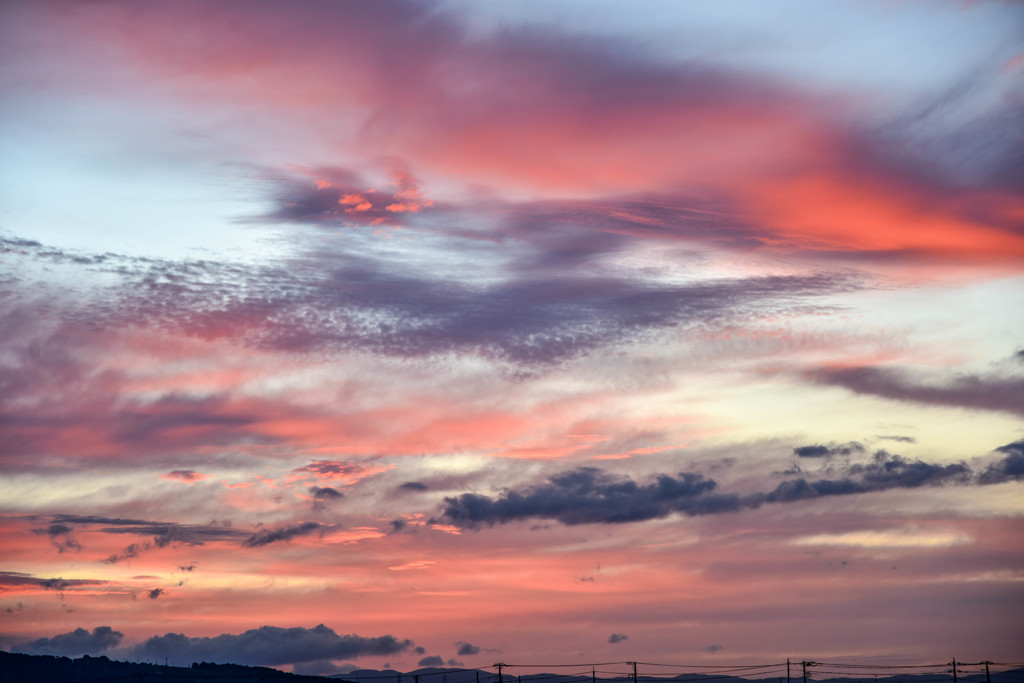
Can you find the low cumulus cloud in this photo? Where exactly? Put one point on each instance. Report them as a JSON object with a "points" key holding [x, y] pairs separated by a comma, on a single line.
{"points": [[267, 646], [74, 643], [325, 493], [1009, 468], [885, 471], [432, 661], [617, 637], [589, 495], [321, 495], [465, 649]]}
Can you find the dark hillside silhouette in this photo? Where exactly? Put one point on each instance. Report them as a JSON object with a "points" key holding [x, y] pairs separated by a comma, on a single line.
{"points": [[19, 668], [22, 668]]}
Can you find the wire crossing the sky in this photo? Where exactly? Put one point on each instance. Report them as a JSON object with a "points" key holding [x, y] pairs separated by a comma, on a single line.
{"points": [[792, 671]]}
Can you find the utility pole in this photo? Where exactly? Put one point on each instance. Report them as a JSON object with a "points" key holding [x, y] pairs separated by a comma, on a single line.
{"points": [[807, 664], [787, 669], [634, 671], [988, 679], [954, 669], [499, 665], [593, 676]]}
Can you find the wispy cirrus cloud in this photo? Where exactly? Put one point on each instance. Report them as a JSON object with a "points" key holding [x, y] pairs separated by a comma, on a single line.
{"points": [[521, 110], [1000, 393], [344, 302]]}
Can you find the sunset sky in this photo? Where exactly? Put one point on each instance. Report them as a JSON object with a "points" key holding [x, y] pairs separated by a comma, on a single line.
{"points": [[361, 334]]}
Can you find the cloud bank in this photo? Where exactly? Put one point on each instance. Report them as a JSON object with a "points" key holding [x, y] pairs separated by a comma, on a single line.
{"points": [[74, 643], [267, 646], [589, 495]]}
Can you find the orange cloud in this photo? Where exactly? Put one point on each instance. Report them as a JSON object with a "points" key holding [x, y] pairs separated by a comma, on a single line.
{"points": [[841, 212]]}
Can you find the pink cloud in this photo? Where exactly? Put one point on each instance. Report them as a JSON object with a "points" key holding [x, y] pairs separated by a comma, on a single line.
{"points": [[555, 118], [185, 476]]}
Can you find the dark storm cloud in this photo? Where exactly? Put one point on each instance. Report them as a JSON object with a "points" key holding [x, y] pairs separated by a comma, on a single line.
{"points": [[57, 584], [60, 585], [465, 649], [115, 523], [166, 534], [617, 637], [322, 494], [591, 496], [60, 537], [74, 643], [588, 495], [1009, 468], [267, 646], [997, 393], [267, 536], [130, 552], [885, 471], [823, 451], [325, 493], [431, 661], [163, 534], [888, 470]]}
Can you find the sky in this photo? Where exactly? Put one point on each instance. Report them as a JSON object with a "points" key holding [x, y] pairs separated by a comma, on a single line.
{"points": [[343, 335]]}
